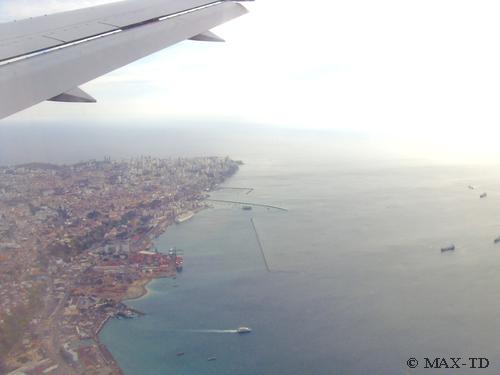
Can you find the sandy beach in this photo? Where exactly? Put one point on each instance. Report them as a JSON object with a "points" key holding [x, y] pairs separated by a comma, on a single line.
{"points": [[137, 289]]}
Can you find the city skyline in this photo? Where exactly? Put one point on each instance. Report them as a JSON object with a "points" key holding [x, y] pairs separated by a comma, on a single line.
{"points": [[421, 78]]}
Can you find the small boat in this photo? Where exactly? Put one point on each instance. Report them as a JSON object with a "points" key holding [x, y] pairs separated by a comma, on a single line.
{"points": [[471, 187], [242, 330], [448, 248], [126, 315], [211, 359], [180, 354], [247, 208], [484, 195], [496, 240]]}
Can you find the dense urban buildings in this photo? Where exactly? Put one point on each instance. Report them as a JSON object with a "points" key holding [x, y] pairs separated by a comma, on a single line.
{"points": [[75, 240]]}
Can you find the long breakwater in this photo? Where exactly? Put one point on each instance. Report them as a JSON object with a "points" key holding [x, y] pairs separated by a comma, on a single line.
{"points": [[260, 245], [248, 204]]}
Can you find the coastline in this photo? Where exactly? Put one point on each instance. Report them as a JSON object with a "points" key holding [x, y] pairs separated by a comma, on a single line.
{"points": [[139, 288], [90, 268]]}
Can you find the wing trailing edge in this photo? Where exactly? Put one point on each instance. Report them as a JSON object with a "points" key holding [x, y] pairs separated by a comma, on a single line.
{"points": [[54, 71]]}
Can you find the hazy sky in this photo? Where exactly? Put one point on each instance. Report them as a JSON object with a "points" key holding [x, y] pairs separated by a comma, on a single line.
{"points": [[425, 71]]}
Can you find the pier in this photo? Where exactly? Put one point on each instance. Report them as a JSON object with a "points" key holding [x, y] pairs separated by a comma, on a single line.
{"points": [[101, 326], [248, 190], [135, 311], [260, 245], [248, 204]]}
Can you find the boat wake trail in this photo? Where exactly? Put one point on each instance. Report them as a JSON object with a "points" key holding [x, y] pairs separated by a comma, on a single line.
{"points": [[208, 330]]}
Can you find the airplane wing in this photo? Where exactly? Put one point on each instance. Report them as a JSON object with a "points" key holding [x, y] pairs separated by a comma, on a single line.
{"points": [[49, 57]]}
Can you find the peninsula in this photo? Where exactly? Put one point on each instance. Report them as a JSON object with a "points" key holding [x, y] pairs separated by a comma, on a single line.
{"points": [[76, 241]]}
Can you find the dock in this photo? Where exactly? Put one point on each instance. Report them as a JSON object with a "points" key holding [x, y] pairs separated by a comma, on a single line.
{"points": [[101, 326], [135, 311], [248, 204]]}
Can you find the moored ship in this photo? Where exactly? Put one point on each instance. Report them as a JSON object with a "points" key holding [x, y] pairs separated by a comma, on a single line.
{"points": [[450, 247], [179, 262], [184, 217]]}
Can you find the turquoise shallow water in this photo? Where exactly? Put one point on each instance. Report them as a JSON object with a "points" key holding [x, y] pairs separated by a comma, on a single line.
{"points": [[358, 283]]}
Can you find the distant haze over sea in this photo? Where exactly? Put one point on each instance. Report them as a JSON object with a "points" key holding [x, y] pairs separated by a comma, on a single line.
{"points": [[69, 143]]}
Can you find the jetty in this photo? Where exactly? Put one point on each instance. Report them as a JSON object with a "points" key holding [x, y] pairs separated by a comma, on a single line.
{"points": [[135, 311], [260, 245], [248, 204]]}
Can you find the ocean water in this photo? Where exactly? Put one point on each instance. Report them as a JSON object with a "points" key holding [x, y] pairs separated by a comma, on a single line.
{"points": [[357, 281]]}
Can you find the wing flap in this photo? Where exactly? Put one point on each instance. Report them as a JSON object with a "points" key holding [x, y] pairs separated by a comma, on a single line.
{"points": [[76, 32], [154, 10], [18, 46], [32, 80], [44, 24], [35, 34]]}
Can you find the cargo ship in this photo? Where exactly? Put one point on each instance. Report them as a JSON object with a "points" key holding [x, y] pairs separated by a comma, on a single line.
{"points": [[179, 262], [184, 217], [450, 247]]}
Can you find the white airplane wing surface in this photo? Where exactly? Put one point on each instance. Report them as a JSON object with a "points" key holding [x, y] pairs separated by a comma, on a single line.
{"points": [[48, 57]]}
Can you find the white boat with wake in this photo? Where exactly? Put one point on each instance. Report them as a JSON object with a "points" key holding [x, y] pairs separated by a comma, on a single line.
{"points": [[242, 330]]}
